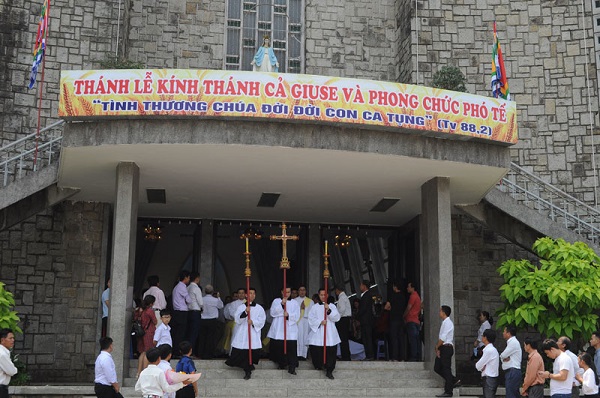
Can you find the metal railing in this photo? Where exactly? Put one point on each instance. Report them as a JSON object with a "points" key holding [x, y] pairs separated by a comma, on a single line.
{"points": [[19, 158], [550, 201]]}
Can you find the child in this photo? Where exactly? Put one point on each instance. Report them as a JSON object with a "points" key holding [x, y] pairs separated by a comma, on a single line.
{"points": [[152, 380], [164, 364], [162, 335], [186, 365]]}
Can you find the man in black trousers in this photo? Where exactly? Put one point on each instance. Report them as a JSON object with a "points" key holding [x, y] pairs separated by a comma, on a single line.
{"points": [[366, 319]]}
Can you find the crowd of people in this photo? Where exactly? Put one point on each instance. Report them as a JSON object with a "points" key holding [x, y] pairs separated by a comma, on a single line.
{"points": [[572, 375], [330, 326]]}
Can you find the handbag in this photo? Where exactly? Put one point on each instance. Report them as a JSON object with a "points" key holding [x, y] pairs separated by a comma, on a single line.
{"points": [[137, 329]]}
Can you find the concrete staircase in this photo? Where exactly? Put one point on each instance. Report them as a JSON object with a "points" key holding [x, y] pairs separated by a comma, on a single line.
{"points": [[352, 379], [524, 208]]}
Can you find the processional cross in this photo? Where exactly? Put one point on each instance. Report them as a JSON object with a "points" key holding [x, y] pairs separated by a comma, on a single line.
{"points": [[284, 265]]}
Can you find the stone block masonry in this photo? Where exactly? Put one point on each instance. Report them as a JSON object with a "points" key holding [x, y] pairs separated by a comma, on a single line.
{"points": [[53, 264]]}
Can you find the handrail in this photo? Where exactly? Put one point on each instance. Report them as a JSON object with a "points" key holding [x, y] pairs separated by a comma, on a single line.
{"points": [[30, 136], [533, 192], [552, 187], [20, 155]]}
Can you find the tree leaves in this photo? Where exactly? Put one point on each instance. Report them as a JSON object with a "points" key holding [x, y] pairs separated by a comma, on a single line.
{"points": [[8, 318], [558, 297]]}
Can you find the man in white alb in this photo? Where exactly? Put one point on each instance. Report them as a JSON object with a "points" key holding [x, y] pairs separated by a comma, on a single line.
{"points": [[283, 345], [250, 318], [303, 330]]}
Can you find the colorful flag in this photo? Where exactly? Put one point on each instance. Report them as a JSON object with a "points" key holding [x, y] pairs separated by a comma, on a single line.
{"points": [[499, 80], [39, 49]]}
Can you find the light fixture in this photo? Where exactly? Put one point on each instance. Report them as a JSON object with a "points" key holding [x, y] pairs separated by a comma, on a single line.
{"points": [[152, 233], [251, 233], [343, 240]]}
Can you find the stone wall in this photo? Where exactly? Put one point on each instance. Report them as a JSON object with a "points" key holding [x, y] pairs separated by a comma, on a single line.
{"points": [[404, 30], [476, 254], [81, 34], [544, 51], [351, 39], [177, 33], [53, 263]]}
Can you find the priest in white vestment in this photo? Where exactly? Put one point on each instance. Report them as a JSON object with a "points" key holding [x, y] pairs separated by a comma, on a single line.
{"points": [[321, 320], [303, 330], [288, 317], [229, 314], [239, 345]]}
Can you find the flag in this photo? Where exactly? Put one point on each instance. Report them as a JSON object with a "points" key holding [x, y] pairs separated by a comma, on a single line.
{"points": [[499, 80], [39, 48]]}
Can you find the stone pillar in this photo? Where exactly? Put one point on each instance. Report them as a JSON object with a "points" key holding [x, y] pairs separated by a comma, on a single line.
{"points": [[436, 248], [123, 264], [207, 253], [315, 273]]}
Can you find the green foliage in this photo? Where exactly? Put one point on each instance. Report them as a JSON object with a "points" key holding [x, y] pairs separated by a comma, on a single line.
{"points": [[8, 317], [119, 63], [22, 377], [450, 78], [557, 298]]}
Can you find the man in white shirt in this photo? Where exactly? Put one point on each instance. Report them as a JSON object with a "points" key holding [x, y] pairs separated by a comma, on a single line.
{"points": [[194, 311], [7, 368], [511, 362], [321, 320], [209, 325], [105, 307], [561, 378], [303, 330], [246, 337], [444, 350], [488, 364], [343, 325], [285, 314], [105, 380], [179, 316], [160, 302], [564, 344]]}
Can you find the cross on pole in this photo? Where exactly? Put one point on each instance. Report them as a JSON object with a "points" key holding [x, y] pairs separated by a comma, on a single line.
{"points": [[284, 265]]}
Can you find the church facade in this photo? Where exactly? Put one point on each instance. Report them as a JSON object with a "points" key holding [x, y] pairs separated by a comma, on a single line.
{"points": [[328, 176]]}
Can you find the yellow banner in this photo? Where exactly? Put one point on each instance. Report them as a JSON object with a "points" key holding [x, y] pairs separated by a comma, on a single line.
{"points": [[231, 94]]}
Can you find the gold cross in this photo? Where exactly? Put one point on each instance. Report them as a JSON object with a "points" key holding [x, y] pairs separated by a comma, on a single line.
{"points": [[284, 237]]}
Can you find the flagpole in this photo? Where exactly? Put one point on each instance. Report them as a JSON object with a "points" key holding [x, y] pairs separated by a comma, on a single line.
{"points": [[41, 92], [326, 278]]}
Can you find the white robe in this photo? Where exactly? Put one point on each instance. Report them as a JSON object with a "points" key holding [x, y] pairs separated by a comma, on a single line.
{"points": [[315, 317], [303, 329], [240, 333], [276, 330]]}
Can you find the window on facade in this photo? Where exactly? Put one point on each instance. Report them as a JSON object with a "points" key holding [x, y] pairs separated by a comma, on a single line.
{"points": [[597, 4], [248, 21]]}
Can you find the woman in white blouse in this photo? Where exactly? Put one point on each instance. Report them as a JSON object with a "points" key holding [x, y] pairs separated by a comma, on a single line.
{"points": [[486, 321], [589, 380]]}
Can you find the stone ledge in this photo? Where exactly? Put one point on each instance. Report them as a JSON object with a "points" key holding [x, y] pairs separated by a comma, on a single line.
{"points": [[81, 390], [477, 392]]}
